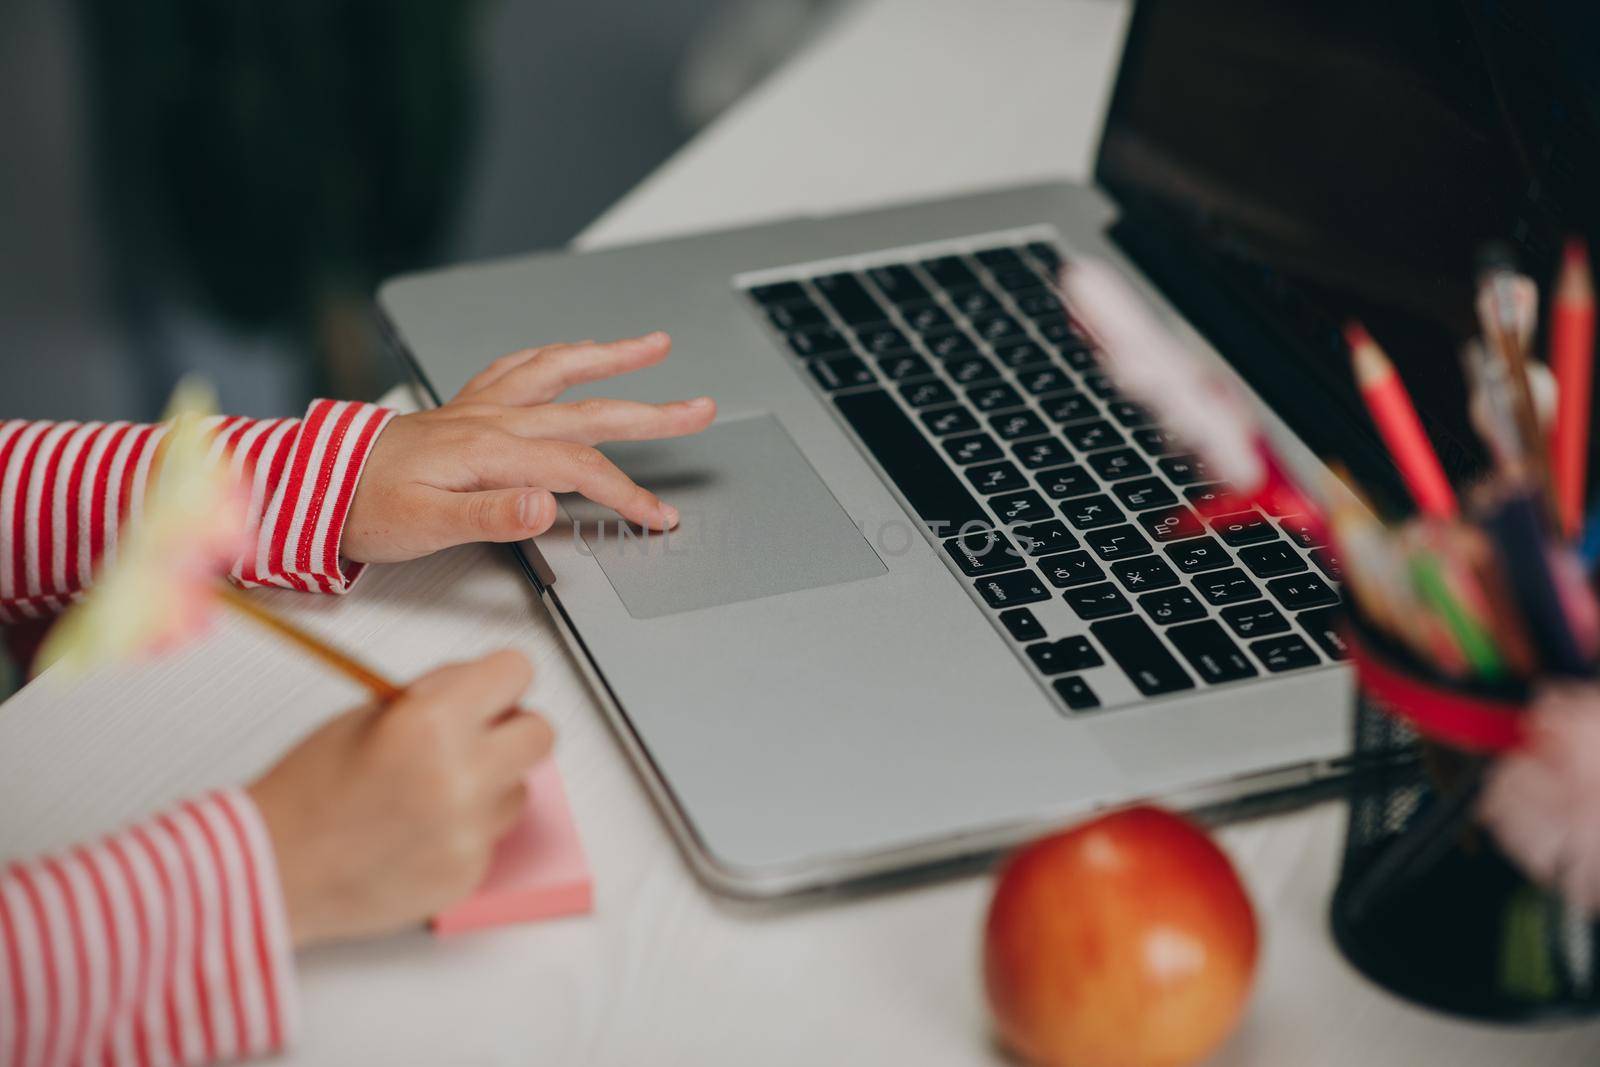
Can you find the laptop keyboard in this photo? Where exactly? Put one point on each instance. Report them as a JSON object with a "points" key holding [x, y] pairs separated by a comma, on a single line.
{"points": [[959, 373]]}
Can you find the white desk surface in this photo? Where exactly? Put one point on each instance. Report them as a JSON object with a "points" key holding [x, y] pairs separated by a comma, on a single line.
{"points": [[897, 99]]}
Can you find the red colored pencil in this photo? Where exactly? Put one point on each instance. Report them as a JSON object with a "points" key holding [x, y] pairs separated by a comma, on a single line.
{"points": [[1396, 418], [1572, 325]]}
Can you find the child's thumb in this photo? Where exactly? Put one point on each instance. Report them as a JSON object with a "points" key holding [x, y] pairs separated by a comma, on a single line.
{"points": [[500, 515]]}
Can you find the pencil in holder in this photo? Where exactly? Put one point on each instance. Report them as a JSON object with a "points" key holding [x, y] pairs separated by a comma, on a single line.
{"points": [[1426, 905]]}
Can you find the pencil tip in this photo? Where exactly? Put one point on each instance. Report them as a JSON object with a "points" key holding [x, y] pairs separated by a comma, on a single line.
{"points": [[1356, 335], [1575, 282]]}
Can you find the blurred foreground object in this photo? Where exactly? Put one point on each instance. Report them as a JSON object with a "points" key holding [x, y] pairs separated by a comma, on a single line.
{"points": [[161, 588], [1126, 941], [1542, 801]]}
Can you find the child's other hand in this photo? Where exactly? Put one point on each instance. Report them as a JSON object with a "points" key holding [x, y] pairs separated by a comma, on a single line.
{"points": [[385, 815], [483, 467]]}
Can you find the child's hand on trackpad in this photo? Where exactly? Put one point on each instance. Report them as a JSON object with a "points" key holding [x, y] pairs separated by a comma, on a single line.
{"points": [[484, 466]]}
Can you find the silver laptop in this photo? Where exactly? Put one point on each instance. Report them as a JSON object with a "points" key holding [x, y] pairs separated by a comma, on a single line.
{"points": [[817, 675]]}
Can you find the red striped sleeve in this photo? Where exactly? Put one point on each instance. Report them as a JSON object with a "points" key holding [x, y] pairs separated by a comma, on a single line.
{"points": [[65, 489], [166, 943]]}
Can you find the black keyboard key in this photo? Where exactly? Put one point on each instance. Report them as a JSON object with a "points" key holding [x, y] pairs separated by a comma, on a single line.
{"points": [[1323, 626], [841, 372], [823, 341], [948, 420], [1037, 302], [949, 344], [1172, 524], [1068, 407], [994, 397], [1269, 561], [1280, 501], [1199, 555], [926, 318], [1243, 528], [1286, 653], [1014, 425], [881, 340], [1128, 414], [1068, 570], [1172, 605], [1214, 499], [972, 448], [1141, 655], [988, 552], [850, 299], [1011, 590], [1002, 477], [1043, 538], [1042, 380], [1144, 573], [1155, 441], [925, 394], [909, 459], [950, 271], [1255, 620], [997, 327], [1302, 531], [1142, 494], [1230, 586], [1001, 258], [1118, 463], [899, 366], [1022, 624], [1092, 436], [974, 301], [1090, 512], [1075, 693], [1328, 563], [1117, 542], [1300, 591], [1080, 357], [1184, 470], [801, 316], [1056, 329], [899, 284], [1019, 354], [1041, 452], [1211, 652], [1097, 601], [1046, 253], [1016, 279], [1026, 506], [969, 370], [779, 293], [1067, 654]]}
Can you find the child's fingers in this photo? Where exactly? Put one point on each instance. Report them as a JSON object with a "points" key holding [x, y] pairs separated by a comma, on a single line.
{"points": [[509, 806], [562, 467], [589, 422], [500, 516], [553, 370], [515, 743], [469, 694], [498, 369]]}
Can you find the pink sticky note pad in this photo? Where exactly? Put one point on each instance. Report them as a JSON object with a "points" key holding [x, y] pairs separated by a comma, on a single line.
{"points": [[538, 870]]}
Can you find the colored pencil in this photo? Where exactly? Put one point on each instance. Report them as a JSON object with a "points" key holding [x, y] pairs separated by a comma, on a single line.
{"points": [[1396, 418], [1572, 329]]}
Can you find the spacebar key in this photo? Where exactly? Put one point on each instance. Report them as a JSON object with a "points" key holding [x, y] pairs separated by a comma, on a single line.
{"points": [[1141, 655], [912, 463]]}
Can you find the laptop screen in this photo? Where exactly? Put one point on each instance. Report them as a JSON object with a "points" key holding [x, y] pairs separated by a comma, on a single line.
{"points": [[1328, 160]]}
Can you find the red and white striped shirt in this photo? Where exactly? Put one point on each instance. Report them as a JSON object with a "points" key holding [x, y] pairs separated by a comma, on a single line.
{"points": [[166, 943]]}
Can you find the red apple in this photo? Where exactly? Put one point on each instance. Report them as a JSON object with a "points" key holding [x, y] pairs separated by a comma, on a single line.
{"points": [[1127, 941]]}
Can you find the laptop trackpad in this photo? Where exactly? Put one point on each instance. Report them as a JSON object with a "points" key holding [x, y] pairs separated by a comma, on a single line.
{"points": [[755, 521]]}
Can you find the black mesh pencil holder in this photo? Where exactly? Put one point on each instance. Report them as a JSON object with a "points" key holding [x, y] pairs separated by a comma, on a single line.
{"points": [[1426, 906]]}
